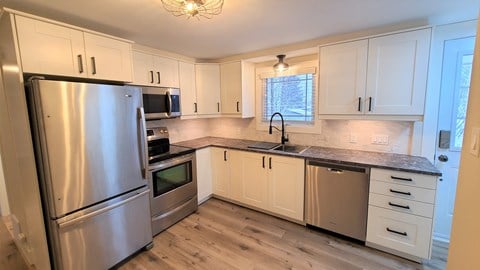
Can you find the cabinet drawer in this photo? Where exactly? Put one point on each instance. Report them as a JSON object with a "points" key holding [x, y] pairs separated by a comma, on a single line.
{"points": [[403, 192], [401, 205], [404, 178], [403, 232]]}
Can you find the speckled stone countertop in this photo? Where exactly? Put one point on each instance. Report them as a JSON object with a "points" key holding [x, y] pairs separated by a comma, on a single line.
{"points": [[389, 161]]}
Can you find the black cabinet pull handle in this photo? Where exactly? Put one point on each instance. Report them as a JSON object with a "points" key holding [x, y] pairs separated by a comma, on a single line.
{"points": [[158, 76], [263, 162], [397, 232], [94, 66], [359, 104], [401, 178], [270, 163], [195, 104], [370, 104], [400, 192], [224, 155], [238, 106], [80, 63], [398, 205], [218, 106], [151, 76]]}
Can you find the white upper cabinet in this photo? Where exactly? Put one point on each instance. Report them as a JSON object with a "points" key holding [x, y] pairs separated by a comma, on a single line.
{"points": [[397, 73], [188, 92], [108, 59], [207, 80], [237, 80], [154, 70], [343, 75], [52, 49], [385, 75]]}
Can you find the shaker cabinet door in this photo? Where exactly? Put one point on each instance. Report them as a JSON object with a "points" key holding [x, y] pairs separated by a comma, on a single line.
{"points": [[51, 49]]}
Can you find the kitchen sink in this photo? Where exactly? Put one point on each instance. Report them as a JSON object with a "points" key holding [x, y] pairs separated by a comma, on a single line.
{"points": [[291, 148]]}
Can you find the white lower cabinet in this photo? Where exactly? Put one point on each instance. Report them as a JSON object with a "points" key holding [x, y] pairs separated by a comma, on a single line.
{"points": [[400, 213], [266, 182], [204, 174], [273, 183]]}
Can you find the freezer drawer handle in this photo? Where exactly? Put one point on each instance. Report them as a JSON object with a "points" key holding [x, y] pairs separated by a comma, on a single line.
{"points": [[400, 192], [398, 205], [100, 211], [401, 178], [397, 232]]}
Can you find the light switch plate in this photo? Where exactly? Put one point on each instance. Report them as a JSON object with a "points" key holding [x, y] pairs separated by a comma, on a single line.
{"points": [[475, 142]]}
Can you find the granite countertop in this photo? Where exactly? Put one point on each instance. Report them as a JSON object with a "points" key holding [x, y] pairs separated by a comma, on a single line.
{"points": [[389, 161]]}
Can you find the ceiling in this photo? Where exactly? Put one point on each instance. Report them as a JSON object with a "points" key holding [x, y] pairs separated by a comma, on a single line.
{"points": [[244, 25]]}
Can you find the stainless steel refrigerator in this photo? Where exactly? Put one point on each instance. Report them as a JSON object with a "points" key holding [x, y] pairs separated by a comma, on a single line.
{"points": [[90, 154]]}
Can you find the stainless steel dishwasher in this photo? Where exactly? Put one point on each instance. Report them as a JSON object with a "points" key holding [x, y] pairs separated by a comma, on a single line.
{"points": [[337, 198]]}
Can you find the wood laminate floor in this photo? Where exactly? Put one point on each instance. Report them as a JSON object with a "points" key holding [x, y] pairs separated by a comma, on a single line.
{"points": [[222, 235]]}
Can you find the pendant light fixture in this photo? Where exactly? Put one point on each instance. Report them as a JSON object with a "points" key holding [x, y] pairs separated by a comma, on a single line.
{"points": [[194, 8], [281, 65]]}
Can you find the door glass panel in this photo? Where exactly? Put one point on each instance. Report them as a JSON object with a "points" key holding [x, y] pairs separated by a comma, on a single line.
{"points": [[171, 178], [155, 103], [462, 87]]}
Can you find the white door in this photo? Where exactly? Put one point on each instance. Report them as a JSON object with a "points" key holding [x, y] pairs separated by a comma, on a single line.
{"points": [[455, 83], [207, 80], [231, 87], [188, 100]]}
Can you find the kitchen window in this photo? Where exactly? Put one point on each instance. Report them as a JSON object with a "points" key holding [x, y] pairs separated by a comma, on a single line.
{"points": [[292, 96]]}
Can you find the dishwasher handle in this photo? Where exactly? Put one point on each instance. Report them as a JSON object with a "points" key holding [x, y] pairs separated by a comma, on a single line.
{"points": [[337, 168]]}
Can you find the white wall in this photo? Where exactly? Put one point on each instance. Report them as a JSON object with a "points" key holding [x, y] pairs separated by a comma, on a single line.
{"points": [[465, 239]]}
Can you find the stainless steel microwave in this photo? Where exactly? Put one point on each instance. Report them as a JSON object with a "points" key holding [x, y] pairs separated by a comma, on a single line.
{"points": [[160, 103]]}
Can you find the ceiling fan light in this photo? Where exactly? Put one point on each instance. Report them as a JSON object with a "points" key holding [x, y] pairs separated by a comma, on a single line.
{"points": [[280, 65]]}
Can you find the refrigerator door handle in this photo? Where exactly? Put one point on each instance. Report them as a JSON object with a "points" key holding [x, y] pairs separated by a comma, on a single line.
{"points": [[100, 211], [143, 142]]}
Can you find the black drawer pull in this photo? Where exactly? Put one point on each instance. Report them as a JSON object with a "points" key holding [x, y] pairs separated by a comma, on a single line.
{"points": [[263, 162], [359, 104], [402, 179], [224, 155], [398, 205], [400, 192], [397, 232]]}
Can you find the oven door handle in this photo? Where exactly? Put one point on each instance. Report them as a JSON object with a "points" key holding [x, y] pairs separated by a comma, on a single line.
{"points": [[143, 142], [169, 103]]}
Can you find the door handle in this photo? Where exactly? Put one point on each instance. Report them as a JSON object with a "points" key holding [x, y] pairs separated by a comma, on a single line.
{"points": [[94, 66], [224, 155], [158, 76], [370, 104], [396, 232], [270, 163], [218, 106], [80, 63], [143, 146], [238, 106], [400, 192], [195, 110], [263, 162], [443, 158], [151, 76], [169, 103], [398, 205], [359, 104]]}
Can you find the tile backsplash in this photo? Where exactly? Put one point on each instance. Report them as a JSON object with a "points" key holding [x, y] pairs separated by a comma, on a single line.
{"points": [[349, 134]]}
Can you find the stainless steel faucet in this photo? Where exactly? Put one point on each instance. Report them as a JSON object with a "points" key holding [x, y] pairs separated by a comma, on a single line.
{"points": [[284, 138]]}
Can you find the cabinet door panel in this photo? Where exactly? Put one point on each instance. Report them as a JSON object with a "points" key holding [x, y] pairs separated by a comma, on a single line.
{"points": [[287, 182], [187, 88], [397, 72], [204, 174], [47, 48], [143, 73], [342, 81], [255, 180], [166, 72], [207, 79], [231, 87], [107, 58], [220, 172]]}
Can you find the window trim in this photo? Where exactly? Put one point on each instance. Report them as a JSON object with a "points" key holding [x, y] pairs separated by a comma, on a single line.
{"points": [[303, 67]]}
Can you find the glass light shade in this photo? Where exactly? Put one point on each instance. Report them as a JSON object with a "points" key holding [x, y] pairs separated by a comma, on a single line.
{"points": [[281, 65]]}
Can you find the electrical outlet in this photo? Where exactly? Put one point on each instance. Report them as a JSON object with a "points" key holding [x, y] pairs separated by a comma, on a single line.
{"points": [[380, 139]]}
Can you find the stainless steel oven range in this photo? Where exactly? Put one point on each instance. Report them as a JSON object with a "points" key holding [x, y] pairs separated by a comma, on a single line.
{"points": [[172, 179]]}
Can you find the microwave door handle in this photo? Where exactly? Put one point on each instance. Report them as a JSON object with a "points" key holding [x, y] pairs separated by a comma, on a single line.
{"points": [[169, 103]]}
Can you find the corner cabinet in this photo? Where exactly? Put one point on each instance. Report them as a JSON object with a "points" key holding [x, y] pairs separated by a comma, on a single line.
{"points": [[154, 70], [56, 49], [385, 75], [237, 88], [400, 213], [207, 82]]}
